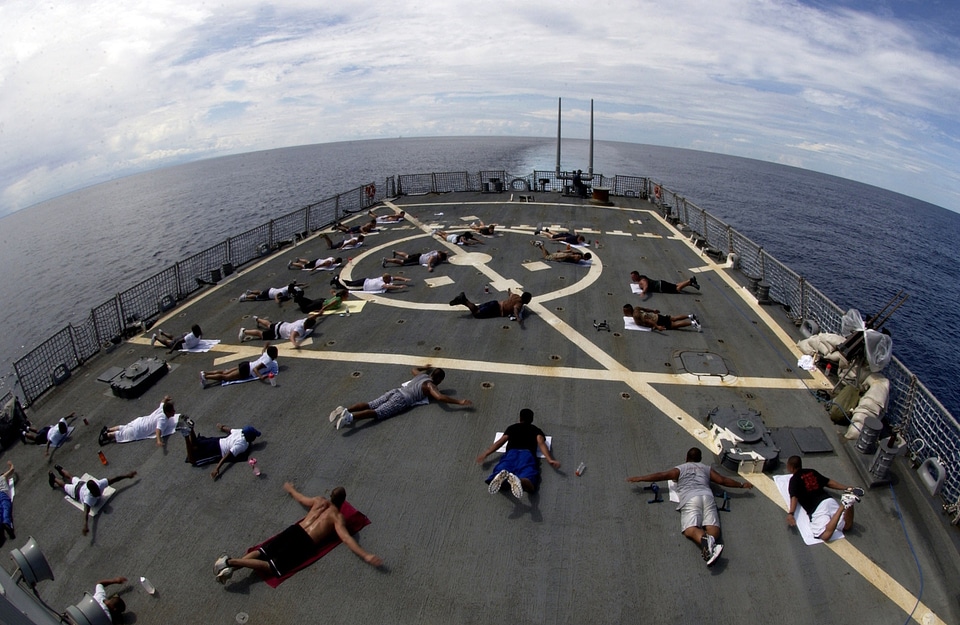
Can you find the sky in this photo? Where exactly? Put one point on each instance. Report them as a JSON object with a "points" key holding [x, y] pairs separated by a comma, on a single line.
{"points": [[865, 90]]}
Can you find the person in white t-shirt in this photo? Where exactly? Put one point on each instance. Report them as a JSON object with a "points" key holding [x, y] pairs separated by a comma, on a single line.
{"points": [[190, 340], [87, 493], [203, 450], [293, 331], [262, 368], [142, 427], [386, 282], [113, 605]]}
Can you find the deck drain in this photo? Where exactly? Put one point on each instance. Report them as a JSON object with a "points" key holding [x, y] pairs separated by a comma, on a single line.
{"points": [[789, 370], [437, 348], [554, 357], [748, 395], [182, 315], [617, 334], [667, 364], [486, 385], [355, 374], [719, 340], [505, 327], [331, 342], [624, 395], [400, 320], [559, 309], [242, 617]]}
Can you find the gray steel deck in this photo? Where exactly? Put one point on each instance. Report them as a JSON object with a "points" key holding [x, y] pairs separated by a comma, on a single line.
{"points": [[586, 549]]}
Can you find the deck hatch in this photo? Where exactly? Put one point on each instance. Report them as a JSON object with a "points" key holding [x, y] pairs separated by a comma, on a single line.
{"points": [[703, 363]]}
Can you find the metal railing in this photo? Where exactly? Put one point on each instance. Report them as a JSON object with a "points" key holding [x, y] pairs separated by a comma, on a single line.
{"points": [[911, 408]]}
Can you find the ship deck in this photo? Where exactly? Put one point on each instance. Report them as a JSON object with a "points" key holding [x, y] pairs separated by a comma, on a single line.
{"points": [[587, 549]]}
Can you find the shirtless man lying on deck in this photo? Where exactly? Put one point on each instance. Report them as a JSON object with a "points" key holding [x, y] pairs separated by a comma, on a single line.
{"points": [[299, 542]]}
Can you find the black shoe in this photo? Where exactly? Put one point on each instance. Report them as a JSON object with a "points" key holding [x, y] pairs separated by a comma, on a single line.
{"points": [[335, 281], [52, 479], [59, 470], [9, 529], [693, 282], [459, 300], [104, 439]]}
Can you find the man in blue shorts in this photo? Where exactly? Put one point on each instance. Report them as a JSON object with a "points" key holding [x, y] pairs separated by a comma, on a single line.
{"points": [[519, 466], [203, 450]]}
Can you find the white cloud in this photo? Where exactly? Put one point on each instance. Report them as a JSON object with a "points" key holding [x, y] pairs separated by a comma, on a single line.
{"points": [[89, 91]]}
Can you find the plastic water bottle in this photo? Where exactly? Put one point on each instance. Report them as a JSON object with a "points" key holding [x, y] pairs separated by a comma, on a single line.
{"points": [[253, 464], [273, 379], [147, 585], [103, 459], [829, 367], [581, 469]]}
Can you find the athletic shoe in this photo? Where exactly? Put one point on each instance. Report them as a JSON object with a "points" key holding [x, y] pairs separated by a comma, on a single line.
{"points": [[383, 263], [856, 490], [241, 337], [714, 554], [153, 339], [243, 296], [59, 470], [515, 487], [221, 570], [23, 436], [8, 528], [256, 318], [345, 419], [290, 265], [103, 438], [537, 243], [339, 410], [694, 283], [52, 479], [707, 543], [203, 380], [848, 499], [696, 323], [497, 482], [459, 300]]}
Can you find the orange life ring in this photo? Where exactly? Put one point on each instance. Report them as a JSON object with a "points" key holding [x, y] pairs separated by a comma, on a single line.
{"points": [[371, 191], [656, 191]]}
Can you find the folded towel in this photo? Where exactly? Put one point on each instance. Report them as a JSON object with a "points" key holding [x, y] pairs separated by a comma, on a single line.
{"points": [[503, 448], [630, 324], [635, 288], [250, 379], [205, 346]]}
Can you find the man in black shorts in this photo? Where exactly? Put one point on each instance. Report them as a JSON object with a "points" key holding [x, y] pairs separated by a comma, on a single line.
{"points": [[651, 318], [648, 286], [511, 307], [299, 542]]}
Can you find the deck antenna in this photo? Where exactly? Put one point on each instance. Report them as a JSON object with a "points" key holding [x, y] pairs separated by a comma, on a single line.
{"points": [[590, 170], [589, 175], [558, 136]]}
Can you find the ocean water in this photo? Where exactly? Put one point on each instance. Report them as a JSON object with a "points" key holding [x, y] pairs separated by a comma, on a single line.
{"points": [[858, 244]]}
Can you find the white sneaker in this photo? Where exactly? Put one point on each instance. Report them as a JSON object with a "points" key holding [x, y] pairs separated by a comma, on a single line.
{"points": [[153, 339], [241, 337], [515, 487], [221, 570], [339, 410], [848, 499], [714, 554], [345, 419], [497, 482], [203, 380]]}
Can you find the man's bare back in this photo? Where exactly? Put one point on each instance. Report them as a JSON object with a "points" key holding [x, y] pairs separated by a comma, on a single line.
{"points": [[321, 521]]}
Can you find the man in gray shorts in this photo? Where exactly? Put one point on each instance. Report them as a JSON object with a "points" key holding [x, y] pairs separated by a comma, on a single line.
{"points": [[699, 520], [393, 402]]}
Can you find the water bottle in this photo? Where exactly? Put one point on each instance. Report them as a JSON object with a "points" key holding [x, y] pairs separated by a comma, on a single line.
{"points": [[103, 459], [829, 367], [273, 379], [581, 469], [147, 585]]}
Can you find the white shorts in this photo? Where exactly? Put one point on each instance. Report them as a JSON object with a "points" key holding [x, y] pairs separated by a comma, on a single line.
{"points": [[822, 515], [699, 511]]}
